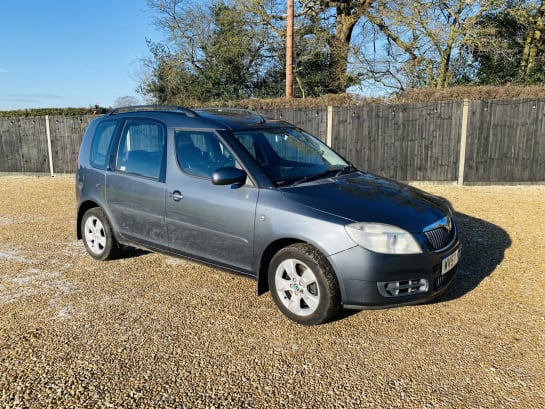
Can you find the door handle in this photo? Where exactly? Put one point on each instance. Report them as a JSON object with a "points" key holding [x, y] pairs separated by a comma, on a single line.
{"points": [[176, 195]]}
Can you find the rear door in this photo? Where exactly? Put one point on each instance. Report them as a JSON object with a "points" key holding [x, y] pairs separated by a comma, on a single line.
{"points": [[204, 221], [136, 188]]}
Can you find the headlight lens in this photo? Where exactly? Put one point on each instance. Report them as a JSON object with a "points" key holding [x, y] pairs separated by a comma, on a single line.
{"points": [[383, 238]]}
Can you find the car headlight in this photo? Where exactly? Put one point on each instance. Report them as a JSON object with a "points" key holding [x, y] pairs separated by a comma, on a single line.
{"points": [[383, 238]]}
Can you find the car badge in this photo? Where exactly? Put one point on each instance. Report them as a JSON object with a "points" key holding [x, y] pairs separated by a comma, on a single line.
{"points": [[444, 223], [448, 224]]}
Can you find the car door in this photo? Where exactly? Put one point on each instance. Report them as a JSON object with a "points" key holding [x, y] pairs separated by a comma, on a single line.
{"points": [[205, 221], [136, 188]]}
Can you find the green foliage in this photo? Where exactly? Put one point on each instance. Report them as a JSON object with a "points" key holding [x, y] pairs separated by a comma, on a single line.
{"points": [[500, 53], [96, 110], [499, 58], [216, 55], [228, 68]]}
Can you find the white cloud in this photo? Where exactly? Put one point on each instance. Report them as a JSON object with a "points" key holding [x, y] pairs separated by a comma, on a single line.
{"points": [[23, 101]]}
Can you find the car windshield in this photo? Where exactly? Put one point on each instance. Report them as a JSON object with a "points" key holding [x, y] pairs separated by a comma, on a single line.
{"points": [[290, 156]]}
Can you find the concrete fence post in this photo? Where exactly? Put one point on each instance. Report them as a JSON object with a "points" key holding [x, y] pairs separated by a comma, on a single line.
{"points": [[329, 137], [463, 142], [49, 150]]}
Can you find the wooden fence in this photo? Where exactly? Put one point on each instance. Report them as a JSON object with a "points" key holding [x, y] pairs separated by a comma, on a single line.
{"points": [[41, 144], [467, 142], [464, 142]]}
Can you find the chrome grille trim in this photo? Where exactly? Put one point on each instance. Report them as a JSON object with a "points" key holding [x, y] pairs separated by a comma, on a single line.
{"points": [[441, 233], [438, 238]]}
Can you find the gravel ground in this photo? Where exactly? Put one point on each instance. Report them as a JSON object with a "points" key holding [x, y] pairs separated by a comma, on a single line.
{"points": [[153, 331]]}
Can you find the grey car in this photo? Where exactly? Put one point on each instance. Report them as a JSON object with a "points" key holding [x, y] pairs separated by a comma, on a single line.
{"points": [[265, 199]]}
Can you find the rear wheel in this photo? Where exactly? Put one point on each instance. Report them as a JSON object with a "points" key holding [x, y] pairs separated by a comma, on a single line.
{"points": [[97, 235], [303, 285]]}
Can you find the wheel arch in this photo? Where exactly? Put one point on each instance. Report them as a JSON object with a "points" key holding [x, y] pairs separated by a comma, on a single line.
{"points": [[83, 207], [268, 254], [327, 300], [271, 250]]}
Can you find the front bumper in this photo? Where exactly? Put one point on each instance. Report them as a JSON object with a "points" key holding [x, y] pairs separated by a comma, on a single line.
{"points": [[372, 280]]}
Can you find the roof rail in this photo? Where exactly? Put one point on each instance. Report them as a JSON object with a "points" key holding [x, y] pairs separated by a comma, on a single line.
{"points": [[227, 111], [188, 112]]}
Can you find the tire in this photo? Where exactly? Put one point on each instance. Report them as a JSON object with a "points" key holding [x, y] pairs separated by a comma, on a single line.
{"points": [[97, 235], [303, 285]]}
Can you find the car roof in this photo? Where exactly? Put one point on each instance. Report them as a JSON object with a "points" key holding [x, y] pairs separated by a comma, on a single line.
{"points": [[214, 118]]}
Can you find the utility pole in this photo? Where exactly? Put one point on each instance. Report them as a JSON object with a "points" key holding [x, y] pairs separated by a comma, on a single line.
{"points": [[289, 51]]}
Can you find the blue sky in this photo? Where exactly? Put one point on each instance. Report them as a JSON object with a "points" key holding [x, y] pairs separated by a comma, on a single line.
{"points": [[72, 53]]}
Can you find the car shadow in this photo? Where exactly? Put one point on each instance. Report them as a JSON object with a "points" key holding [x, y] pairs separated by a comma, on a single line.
{"points": [[483, 249], [130, 252]]}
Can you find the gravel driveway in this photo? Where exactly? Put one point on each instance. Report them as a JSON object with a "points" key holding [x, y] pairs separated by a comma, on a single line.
{"points": [[149, 330]]}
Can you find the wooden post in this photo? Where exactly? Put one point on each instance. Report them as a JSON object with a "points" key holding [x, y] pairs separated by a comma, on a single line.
{"points": [[49, 150], [289, 51], [463, 143]]}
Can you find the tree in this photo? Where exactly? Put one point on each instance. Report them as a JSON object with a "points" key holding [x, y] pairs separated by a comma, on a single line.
{"points": [[399, 44], [212, 53], [534, 44], [126, 101], [344, 14], [421, 43], [230, 64], [233, 49], [167, 78], [512, 49]]}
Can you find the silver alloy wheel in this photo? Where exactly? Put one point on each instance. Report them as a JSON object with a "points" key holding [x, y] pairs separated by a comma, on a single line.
{"points": [[95, 235], [297, 287]]}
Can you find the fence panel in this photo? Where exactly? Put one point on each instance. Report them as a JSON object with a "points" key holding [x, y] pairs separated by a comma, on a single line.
{"points": [[506, 142], [418, 142], [23, 145], [66, 135], [10, 146]]}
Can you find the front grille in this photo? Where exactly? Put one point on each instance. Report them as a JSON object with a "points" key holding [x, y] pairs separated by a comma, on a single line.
{"points": [[402, 288], [440, 237], [443, 280], [441, 233]]}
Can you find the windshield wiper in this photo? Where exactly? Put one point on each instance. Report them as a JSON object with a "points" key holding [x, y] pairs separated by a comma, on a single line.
{"points": [[328, 172], [345, 170], [314, 177]]}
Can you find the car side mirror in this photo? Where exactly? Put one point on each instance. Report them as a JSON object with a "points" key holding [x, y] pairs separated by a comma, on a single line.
{"points": [[229, 176]]}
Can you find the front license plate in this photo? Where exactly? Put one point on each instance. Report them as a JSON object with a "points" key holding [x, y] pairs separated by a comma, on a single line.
{"points": [[450, 261]]}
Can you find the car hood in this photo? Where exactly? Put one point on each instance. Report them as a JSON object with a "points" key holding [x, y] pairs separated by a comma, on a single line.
{"points": [[363, 197]]}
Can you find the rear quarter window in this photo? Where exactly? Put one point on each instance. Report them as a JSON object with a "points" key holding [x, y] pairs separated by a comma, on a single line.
{"points": [[102, 140]]}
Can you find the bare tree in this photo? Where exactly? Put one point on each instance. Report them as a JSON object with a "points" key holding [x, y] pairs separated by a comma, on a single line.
{"points": [[126, 101], [419, 43], [345, 15]]}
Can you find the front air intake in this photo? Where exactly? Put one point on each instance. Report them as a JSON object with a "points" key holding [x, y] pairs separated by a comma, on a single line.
{"points": [[402, 288]]}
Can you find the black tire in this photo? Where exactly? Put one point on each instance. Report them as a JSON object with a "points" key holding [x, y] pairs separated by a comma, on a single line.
{"points": [[97, 235], [303, 285]]}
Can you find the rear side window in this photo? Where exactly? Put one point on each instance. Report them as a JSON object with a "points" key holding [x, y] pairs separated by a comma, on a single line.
{"points": [[141, 148], [101, 143]]}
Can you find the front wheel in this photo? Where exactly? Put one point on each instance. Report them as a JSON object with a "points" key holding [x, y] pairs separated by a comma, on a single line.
{"points": [[97, 235], [303, 285]]}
